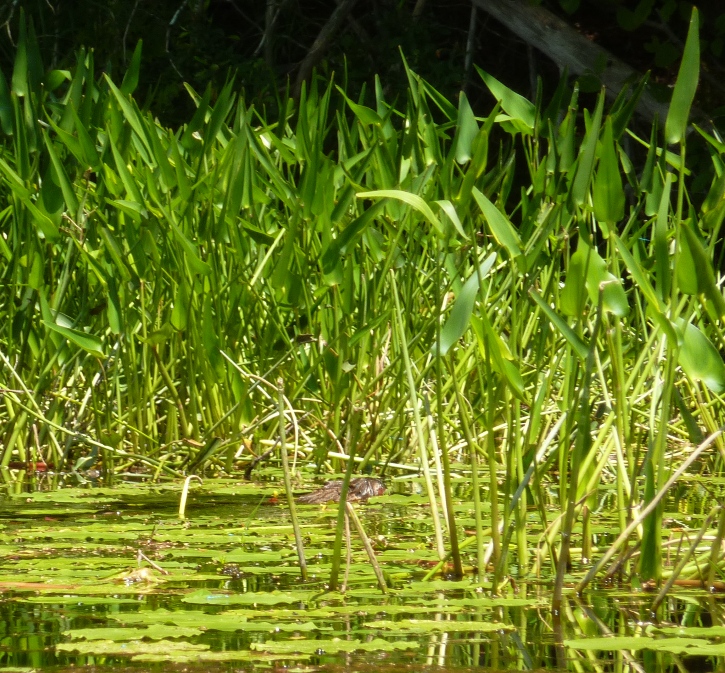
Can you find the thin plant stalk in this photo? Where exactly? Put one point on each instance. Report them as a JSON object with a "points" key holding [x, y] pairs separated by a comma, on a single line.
{"points": [[472, 452], [490, 416], [441, 438], [581, 448], [353, 428], [348, 554], [185, 494], [445, 503], [716, 550], [646, 511], [418, 422], [665, 589], [368, 547], [288, 482]]}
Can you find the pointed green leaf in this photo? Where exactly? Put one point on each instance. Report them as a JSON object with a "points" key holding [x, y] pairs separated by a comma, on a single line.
{"points": [[583, 176], [128, 181], [598, 278], [686, 84], [412, 200], [607, 191], [512, 103], [131, 115], [466, 130], [365, 114], [130, 79], [501, 228], [574, 295], [86, 341], [180, 312], [69, 195], [447, 207], [501, 360], [700, 359], [20, 68], [703, 268], [663, 273], [567, 332], [460, 316]]}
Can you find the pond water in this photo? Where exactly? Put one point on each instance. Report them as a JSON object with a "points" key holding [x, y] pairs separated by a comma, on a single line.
{"points": [[114, 579]]}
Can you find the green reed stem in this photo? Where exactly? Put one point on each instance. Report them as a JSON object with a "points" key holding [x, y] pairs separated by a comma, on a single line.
{"points": [[288, 480], [418, 422]]}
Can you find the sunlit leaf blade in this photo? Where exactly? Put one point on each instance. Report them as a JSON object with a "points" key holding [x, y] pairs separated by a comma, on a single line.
{"points": [[501, 228], [686, 85], [663, 273], [412, 200], [363, 113], [19, 81], [68, 194], [130, 79], [599, 279], [567, 332], [699, 358], [607, 190], [86, 341], [585, 165], [490, 342], [588, 271], [447, 207], [512, 103], [702, 269], [574, 293], [460, 316], [466, 130]]}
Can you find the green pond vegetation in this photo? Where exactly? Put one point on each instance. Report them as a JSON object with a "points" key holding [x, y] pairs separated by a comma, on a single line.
{"points": [[515, 318], [221, 587]]}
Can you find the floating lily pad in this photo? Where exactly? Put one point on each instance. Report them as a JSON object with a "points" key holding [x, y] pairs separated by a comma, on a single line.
{"points": [[428, 625], [694, 631], [332, 646], [215, 655], [153, 632], [226, 621], [78, 600], [270, 598], [164, 648], [692, 646]]}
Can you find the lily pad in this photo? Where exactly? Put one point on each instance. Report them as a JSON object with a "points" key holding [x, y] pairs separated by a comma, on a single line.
{"points": [[271, 598], [333, 646], [226, 621], [165, 648], [153, 632], [428, 625]]}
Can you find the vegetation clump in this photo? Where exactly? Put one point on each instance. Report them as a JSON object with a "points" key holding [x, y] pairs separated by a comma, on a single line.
{"points": [[527, 297]]}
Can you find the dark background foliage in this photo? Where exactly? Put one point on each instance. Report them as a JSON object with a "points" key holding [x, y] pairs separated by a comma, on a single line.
{"points": [[264, 43]]}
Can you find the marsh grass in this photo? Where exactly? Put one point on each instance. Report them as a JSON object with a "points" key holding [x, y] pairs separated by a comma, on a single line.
{"points": [[373, 254]]}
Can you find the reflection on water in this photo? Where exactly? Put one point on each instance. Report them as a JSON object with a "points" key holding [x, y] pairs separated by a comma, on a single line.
{"points": [[221, 590]]}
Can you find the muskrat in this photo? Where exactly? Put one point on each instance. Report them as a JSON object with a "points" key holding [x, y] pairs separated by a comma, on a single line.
{"points": [[360, 488]]}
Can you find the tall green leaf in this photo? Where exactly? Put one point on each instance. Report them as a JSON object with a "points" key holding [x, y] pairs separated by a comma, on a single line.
{"points": [[460, 317], [607, 190], [686, 84]]}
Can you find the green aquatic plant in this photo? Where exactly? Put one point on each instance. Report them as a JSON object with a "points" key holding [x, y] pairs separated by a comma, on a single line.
{"points": [[522, 304]]}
